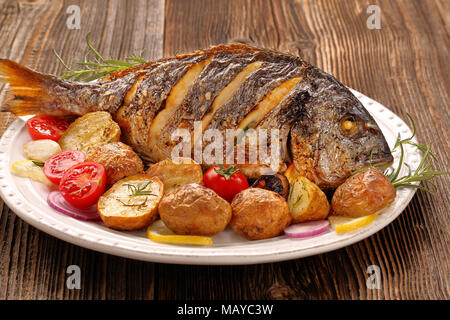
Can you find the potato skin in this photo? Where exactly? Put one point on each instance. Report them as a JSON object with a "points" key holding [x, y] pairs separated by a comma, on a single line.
{"points": [[119, 160], [194, 210], [362, 194], [259, 214], [176, 172]]}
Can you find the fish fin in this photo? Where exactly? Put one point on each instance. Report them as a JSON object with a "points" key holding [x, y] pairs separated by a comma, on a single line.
{"points": [[28, 90]]}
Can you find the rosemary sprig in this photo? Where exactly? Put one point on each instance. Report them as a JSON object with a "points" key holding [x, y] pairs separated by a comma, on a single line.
{"points": [[136, 191], [297, 201], [133, 205], [423, 172], [38, 163], [99, 67]]}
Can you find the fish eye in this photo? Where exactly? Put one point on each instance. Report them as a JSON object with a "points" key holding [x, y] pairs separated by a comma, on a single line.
{"points": [[348, 125]]}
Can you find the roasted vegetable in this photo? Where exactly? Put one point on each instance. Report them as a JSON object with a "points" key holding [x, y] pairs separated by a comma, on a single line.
{"points": [[277, 183], [259, 214], [41, 150], [306, 201], [119, 160], [363, 194], [30, 169], [92, 129], [177, 172], [194, 210], [226, 181], [131, 203], [291, 173]]}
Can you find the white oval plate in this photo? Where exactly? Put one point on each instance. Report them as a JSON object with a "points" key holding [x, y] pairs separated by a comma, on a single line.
{"points": [[28, 200]]}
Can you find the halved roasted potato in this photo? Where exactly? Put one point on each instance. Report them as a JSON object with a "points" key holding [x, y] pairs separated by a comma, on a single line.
{"points": [[306, 201], [176, 172], [131, 203], [91, 129]]}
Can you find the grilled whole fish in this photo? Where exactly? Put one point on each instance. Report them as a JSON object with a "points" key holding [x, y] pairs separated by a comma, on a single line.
{"points": [[323, 128]]}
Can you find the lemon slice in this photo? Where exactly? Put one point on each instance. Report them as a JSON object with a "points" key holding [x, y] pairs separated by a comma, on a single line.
{"points": [[158, 232], [28, 169], [344, 224]]}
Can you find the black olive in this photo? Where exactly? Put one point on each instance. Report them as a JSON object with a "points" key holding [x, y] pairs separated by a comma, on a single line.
{"points": [[277, 183]]}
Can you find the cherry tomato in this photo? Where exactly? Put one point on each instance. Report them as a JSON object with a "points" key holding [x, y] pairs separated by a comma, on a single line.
{"points": [[225, 181], [82, 184], [44, 126], [56, 165]]}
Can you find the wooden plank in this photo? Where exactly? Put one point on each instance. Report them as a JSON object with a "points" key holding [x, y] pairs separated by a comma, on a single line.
{"points": [[32, 263], [403, 65]]}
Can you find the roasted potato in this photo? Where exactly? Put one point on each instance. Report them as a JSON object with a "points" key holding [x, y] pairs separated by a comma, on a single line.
{"points": [[363, 194], [119, 160], [41, 150], [259, 214], [194, 210], [306, 201], [93, 128], [275, 182], [131, 203], [291, 173], [176, 172]]}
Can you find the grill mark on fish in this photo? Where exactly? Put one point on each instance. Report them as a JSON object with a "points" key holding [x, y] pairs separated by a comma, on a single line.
{"points": [[131, 93], [149, 99], [270, 101], [174, 100], [285, 114], [252, 91], [179, 118], [206, 88], [228, 92]]}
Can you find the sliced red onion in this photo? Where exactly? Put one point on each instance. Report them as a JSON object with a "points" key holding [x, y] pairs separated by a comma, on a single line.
{"points": [[307, 229], [57, 202]]}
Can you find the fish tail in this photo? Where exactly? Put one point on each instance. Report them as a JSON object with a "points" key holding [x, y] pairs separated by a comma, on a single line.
{"points": [[31, 92]]}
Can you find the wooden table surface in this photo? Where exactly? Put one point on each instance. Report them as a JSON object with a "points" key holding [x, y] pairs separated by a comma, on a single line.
{"points": [[404, 65]]}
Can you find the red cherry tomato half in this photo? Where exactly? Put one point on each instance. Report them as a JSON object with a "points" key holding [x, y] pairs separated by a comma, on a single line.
{"points": [[46, 127], [82, 184], [56, 165], [226, 182]]}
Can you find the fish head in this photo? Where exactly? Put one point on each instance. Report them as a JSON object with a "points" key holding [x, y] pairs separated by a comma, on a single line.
{"points": [[333, 140]]}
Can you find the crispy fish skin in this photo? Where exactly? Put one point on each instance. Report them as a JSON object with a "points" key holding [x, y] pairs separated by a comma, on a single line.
{"points": [[324, 129]]}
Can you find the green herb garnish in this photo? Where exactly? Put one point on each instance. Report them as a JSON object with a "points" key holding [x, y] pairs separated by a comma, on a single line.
{"points": [[133, 205], [297, 201], [38, 163], [136, 191], [99, 67], [422, 173]]}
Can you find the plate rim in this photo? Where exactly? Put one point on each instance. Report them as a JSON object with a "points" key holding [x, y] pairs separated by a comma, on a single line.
{"points": [[22, 208]]}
